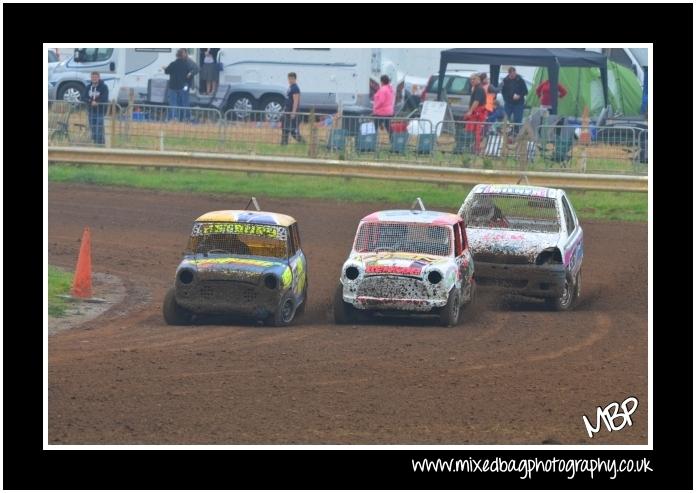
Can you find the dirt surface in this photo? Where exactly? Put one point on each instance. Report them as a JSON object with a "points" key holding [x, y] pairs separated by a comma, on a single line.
{"points": [[107, 291], [514, 374]]}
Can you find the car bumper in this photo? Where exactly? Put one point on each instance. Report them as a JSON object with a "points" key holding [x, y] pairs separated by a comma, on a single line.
{"points": [[528, 280], [228, 297], [395, 293]]}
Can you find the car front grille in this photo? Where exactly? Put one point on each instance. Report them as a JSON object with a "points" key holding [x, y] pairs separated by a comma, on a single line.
{"points": [[501, 258], [396, 287]]}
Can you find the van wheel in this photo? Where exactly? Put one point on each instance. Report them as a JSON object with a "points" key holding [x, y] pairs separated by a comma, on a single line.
{"points": [[569, 296], [344, 313], [72, 92], [174, 314], [285, 312], [449, 314], [272, 107], [240, 107]]}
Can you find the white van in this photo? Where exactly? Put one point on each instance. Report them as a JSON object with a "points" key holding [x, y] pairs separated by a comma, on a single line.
{"points": [[257, 76]]}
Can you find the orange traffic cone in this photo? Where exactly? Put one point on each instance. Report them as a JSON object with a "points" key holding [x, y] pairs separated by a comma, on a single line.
{"points": [[82, 284]]}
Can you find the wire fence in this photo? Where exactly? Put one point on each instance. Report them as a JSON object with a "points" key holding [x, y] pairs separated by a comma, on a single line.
{"points": [[452, 143]]}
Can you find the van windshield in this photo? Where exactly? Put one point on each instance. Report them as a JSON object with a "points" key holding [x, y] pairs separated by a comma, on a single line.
{"points": [[87, 55]]}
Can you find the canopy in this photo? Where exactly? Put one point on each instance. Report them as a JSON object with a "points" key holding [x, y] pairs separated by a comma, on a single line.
{"points": [[585, 89], [551, 58]]}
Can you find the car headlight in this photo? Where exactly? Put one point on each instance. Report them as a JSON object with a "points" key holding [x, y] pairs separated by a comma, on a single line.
{"points": [[434, 276], [352, 273]]}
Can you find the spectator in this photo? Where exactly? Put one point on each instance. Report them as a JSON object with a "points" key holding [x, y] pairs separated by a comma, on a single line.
{"points": [[544, 93], [489, 90], [383, 105], [477, 113], [210, 72], [497, 115], [290, 118], [97, 97], [514, 90], [181, 72]]}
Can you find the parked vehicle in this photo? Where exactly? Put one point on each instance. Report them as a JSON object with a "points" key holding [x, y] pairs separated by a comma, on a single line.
{"points": [[457, 89], [253, 78], [407, 261], [53, 61], [240, 262], [525, 240]]}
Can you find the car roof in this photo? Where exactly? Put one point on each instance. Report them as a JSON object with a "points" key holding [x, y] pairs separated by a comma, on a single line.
{"points": [[256, 217], [416, 216], [514, 189]]}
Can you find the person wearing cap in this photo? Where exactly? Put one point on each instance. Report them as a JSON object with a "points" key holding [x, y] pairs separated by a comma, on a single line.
{"points": [[514, 90]]}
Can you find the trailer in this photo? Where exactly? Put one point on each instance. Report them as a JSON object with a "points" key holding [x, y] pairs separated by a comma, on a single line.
{"points": [[256, 77]]}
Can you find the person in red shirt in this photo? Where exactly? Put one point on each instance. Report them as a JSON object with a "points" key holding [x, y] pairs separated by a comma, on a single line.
{"points": [[544, 93]]}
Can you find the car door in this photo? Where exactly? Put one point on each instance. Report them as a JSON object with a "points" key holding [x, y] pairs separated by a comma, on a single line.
{"points": [[298, 263], [573, 245], [465, 264]]}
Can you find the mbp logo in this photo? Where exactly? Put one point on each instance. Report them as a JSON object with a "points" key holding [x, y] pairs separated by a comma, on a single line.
{"points": [[610, 414]]}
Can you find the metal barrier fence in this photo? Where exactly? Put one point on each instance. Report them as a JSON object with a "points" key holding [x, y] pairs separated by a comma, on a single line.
{"points": [[484, 145]]}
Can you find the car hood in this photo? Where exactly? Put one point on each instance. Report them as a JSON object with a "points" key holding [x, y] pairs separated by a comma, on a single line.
{"points": [[508, 242], [236, 268], [396, 263]]}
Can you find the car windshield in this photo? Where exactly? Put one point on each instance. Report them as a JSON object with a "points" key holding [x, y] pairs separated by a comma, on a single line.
{"points": [[514, 212], [427, 239], [262, 240]]}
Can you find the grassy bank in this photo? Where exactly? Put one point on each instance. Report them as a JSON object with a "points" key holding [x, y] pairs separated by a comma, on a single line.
{"points": [[615, 206], [59, 282]]}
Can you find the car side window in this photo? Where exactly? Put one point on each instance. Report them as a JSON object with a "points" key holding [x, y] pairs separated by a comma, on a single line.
{"points": [[570, 223], [465, 243], [457, 240], [460, 85], [291, 241], [296, 237]]}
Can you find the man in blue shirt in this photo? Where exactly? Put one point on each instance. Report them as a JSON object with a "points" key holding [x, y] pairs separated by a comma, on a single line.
{"points": [[290, 118], [97, 99]]}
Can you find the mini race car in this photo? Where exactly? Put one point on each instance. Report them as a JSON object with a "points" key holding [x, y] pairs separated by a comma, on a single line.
{"points": [[240, 262], [407, 261], [525, 240]]}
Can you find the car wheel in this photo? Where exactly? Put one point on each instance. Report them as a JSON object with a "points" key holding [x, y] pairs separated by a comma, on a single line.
{"points": [[272, 107], [174, 314], [72, 92], [344, 313], [449, 314], [301, 309], [285, 312], [569, 296], [240, 106]]}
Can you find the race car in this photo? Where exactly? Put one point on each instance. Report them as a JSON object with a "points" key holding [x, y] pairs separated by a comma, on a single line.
{"points": [[407, 261], [526, 241], [240, 262]]}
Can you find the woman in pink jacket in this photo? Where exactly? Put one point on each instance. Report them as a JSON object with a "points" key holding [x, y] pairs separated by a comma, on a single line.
{"points": [[383, 105]]}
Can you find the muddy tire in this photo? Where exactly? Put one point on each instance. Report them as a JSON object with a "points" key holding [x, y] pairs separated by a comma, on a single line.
{"points": [[344, 313], [301, 309], [285, 313], [470, 305], [569, 297], [174, 314], [449, 314]]}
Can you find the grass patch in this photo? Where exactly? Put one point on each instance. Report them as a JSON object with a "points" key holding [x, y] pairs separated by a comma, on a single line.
{"points": [[59, 282], [619, 206]]}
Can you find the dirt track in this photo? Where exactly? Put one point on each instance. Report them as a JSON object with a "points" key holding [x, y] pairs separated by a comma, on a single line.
{"points": [[515, 374]]}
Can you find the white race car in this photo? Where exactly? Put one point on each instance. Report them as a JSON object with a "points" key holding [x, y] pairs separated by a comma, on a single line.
{"points": [[413, 261], [525, 240]]}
